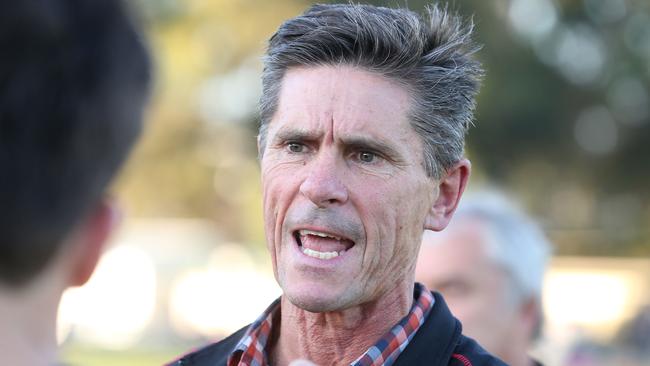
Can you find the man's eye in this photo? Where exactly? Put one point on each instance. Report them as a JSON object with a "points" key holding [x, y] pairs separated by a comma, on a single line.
{"points": [[295, 147], [367, 157]]}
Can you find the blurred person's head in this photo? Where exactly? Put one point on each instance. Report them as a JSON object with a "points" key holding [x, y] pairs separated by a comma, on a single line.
{"points": [[489, 265], [74, 77]]}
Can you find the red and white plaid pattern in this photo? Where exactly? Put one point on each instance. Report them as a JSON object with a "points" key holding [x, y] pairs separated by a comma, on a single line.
{"points": [[251, 350]]}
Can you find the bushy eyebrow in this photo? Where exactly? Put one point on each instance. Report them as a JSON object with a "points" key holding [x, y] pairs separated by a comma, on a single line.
{"points": [[292, 134]]}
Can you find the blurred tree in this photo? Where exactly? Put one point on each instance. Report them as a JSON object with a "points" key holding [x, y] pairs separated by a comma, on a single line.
{"points": [[563, 118], [189, 163]]}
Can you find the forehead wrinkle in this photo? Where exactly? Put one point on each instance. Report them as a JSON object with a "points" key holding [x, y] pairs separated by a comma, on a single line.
{"points": [[357, 114], [329, 131], [299, 122], [303, 103], [333, 104]]}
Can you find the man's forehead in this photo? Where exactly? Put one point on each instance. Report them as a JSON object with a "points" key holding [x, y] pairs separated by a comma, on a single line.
{"points": [[313, 100], [324, 90]]}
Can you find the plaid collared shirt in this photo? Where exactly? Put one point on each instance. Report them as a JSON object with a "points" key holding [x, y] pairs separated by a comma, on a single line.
{"points": [[251, 350]]}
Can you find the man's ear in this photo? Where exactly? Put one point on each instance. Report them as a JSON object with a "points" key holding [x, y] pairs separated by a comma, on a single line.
{"points": [[531, 318], [450, 189], [91, 238]]}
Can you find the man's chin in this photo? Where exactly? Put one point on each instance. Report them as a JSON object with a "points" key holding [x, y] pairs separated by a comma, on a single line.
{"points": [[315, 301]]}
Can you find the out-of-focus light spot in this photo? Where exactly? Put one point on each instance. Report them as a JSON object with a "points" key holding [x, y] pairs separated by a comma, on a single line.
{"points": [[628, 99], [580, 55], [115, 306], [230, 98], [637, 34], [605, 11], [595, 131], [585, 298], [222, 298], [532, 19]]}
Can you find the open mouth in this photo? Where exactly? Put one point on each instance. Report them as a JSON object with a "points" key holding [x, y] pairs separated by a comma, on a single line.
{"points": [[321, 245]]}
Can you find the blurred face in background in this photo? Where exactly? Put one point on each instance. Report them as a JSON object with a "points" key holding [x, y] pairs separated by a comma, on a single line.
{"points": [[456, 263]]}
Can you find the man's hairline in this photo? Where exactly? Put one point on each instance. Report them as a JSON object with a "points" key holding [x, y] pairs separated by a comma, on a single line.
{"points": [[262, 136]]}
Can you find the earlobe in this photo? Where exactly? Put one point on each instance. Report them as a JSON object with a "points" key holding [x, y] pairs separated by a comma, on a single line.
{"points": [[92, 236], [450, 189], [531, 317]]}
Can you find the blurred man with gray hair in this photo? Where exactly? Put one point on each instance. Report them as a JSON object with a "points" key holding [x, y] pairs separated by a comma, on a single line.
{"points": [[489, 265]]}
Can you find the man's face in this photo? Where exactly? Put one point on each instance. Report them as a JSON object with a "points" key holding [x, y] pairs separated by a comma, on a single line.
{"points": [[456, 263], [345, 191]]}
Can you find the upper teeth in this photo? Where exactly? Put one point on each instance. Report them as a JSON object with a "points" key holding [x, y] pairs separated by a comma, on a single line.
{"points": [[321, 255], [318, 233]]}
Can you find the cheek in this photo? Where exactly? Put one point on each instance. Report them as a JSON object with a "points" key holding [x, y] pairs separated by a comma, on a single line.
{"points": [[273, 213], [471, 309], [278, 191], [390, 250], [270, 198], [278, 188], [270, 218], [394, 218], [486, 304], [393, 206]]}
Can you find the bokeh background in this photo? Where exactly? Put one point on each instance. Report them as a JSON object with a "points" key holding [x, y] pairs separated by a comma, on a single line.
{"points": [[563, 125]]}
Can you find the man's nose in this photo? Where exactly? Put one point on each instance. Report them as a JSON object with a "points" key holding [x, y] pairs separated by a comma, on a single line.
{"points": [[323, 184]]}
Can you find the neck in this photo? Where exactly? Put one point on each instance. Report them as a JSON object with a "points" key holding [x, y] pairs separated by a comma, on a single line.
{"points": [[521, 359], [514, 349], [28, 332], [517, 356], [338, 337]]}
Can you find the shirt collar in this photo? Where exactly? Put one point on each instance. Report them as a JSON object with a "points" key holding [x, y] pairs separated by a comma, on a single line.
{"points": [[251, 349]]}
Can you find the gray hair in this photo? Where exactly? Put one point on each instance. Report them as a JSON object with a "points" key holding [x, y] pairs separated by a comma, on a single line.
{"points": [[515, 244], [430, 57]]}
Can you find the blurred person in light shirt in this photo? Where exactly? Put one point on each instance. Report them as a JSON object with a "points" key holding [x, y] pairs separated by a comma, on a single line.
{"points": [[74, 77], [489, 265]]}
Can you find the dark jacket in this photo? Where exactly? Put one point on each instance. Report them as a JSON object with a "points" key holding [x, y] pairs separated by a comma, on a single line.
{"points": [[438, 342]]}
